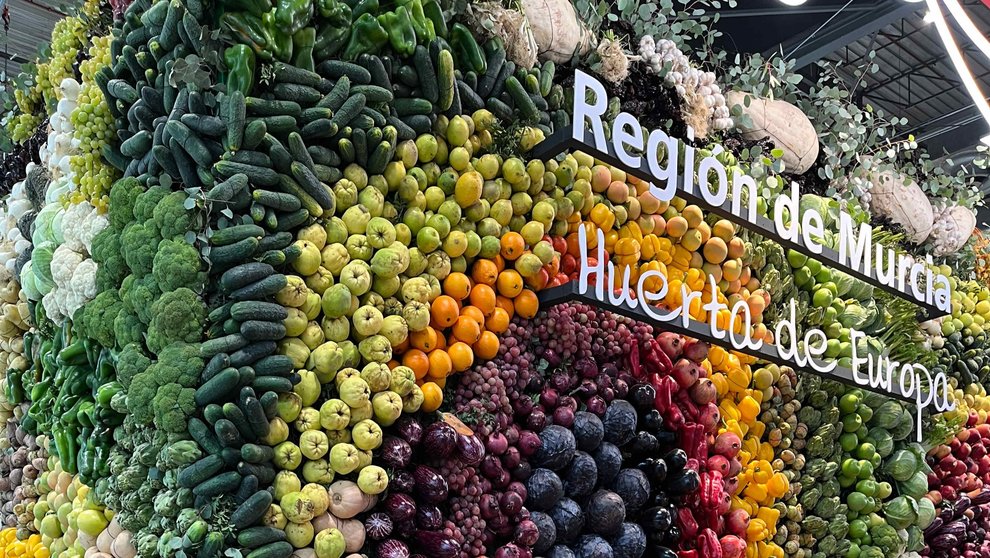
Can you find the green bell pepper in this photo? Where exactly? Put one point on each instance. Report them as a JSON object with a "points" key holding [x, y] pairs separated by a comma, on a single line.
{"points": [[467, 53], [240, 68], [401, 32], [15, 387], [293, 15], [433, 11], [425, 31], [248, 29], [364, 7], [256, 8], [279, 39], [332, 37], [367, 37], [303, 43]]}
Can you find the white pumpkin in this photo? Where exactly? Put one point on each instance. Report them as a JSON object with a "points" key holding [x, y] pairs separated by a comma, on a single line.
{"points": [[952, 229], [559, 33], [788, 128], [901, 200]]}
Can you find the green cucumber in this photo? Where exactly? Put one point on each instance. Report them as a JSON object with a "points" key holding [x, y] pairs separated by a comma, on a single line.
{"points": [[412, 105], [221, 484], [248, 157], [351, 108], [228, 434], [336, 69], [226, 190], [275, 365], [258, 176], [289, 185], [280, 549], [427, 74], [302, 94], [257, 330], [373, 93], [271, 107], [233, 253], [218, 387], [258, 310], [521, 98], [322, 156], [314, 113], [289, 221], [318, 129], [260, 289], [236, 233], [445, 79], [234, 414], [200, 471], [244, 275], [254, 537], [279, 201], [204, 436], [297, 148], [251, 353], [336, 97], [255, 415], [312, 185], [286, 73], [251, 512], [272, 383]]}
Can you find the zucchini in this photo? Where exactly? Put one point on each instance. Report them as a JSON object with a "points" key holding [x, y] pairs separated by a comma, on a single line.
{"points": [[258, 330], [336, 97], [276, 200], [235, 233], [218, 388], [200, 471], [228, 434], [203, 436], [251, 353], [257, 310], [427, 74], [259, 536], [335, 69], [219, 485]]}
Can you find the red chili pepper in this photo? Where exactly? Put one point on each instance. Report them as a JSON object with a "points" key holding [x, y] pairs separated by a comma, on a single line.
{"points": [[661, 356], [687, 554], [689, 407], [694, 441], [687, 523], [634, 364], [665, 388], [709, 545], [673, 417], [712, 490]]}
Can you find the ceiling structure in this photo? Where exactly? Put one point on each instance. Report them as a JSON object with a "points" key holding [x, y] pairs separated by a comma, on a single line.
{"points": [[31, 23]]}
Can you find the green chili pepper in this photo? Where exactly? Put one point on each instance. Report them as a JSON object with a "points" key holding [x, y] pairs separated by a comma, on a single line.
{"points": [[367, 36], [330, 39], [15, 387], [240, 68], [401, 32], [425, 31], [279, 39], [40, 389], [364, 7], [247, 29], [293, 15], [303, 43], [432, 10], [467, 53], [85, 415], [106, 393], [256, 8]]}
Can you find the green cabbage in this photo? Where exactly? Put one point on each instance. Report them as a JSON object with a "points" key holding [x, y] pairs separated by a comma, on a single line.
{"points": [[916, 486], [926, 513], [905, 425], [44, 223], [843, 282], [28, 283], [854, 316], [887, 415], [881, 440], [902, 465], [42, 258], [901, 512]]}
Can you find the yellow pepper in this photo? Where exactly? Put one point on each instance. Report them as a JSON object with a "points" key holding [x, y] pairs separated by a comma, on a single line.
{"points": [[749, 408], [778, 485], [757, 530], [603, 216], [757, 430]]}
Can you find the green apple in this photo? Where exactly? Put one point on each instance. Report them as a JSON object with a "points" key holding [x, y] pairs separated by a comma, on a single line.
{"points": [[356, 278], [367, 435], [336, 329], [362, 412], [377, 376], [372, 480], [336, 230], [354, 391], [334, 257], [309, 419], [367, 320], [288, 407], [380, 232], [329, 543], [336, 301], [417, 315], [343, 458], [376, 349], [287, 456], [334, 414], [286, 482], [394, 329], [314, 444], [387, 406], [358, 247]]}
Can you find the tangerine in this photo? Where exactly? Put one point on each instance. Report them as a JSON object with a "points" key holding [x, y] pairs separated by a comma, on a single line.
{"points": [[484, 272], [424, 340], [466, 329], [417, 361], [483, 297], [457, 285], [440, 364], [487, 346], [505, 303], [461, 356], [474, 313], [498, 322], [432, 397], [513, 245], [526, 304], [444, 311], [510, 283]]}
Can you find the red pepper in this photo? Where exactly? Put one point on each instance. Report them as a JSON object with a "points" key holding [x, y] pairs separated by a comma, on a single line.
{"points": [[694, 441], [673, 417], [712, 490], [687, 405], [687, 524], [687, 554], [634, 364], [663, 400], [708, 545], [660, 355]]}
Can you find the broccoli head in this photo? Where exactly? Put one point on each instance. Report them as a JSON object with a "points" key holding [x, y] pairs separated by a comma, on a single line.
{"points": [[140, 395], [127, 328], [173, 406], [171, 216], [123, 194], [144, 205], [111, 268], [177, 264], [139, 294], [96, 318], [138, 243], [179, 363], [130, 362], [177, 316]]}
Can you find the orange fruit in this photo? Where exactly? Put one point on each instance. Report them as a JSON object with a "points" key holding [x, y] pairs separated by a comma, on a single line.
{"points": [[474, 313], [440, 364], [499, 262], [461, 356], [417, 360], [444, 311], [487, 346], [441, 342], [498, 322], [483, 297], [505, 303], [513, 245], [484, 272], [466, 329], [392, 364], [425, 340], [510, 283], [432, 397], [526, 304], [457, 285]]}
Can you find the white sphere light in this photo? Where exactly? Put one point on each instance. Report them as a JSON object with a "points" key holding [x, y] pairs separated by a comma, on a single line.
{"points": [[793, 2]]}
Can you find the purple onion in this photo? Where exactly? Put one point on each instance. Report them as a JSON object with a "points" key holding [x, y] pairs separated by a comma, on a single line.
{"points": [[586, 368], [527, 533], [511, 459], [497, 443]]}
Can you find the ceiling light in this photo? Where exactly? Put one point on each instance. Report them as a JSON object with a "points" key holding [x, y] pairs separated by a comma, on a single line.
{"points": [[929, 18], [793, 2], [972, 87]]}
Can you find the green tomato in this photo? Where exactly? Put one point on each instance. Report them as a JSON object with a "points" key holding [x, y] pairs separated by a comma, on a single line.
{"points": [[857, 501]]}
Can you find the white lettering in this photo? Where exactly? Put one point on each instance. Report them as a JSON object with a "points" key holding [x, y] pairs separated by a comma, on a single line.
{"points": [[593, 111], [627, 133]]}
